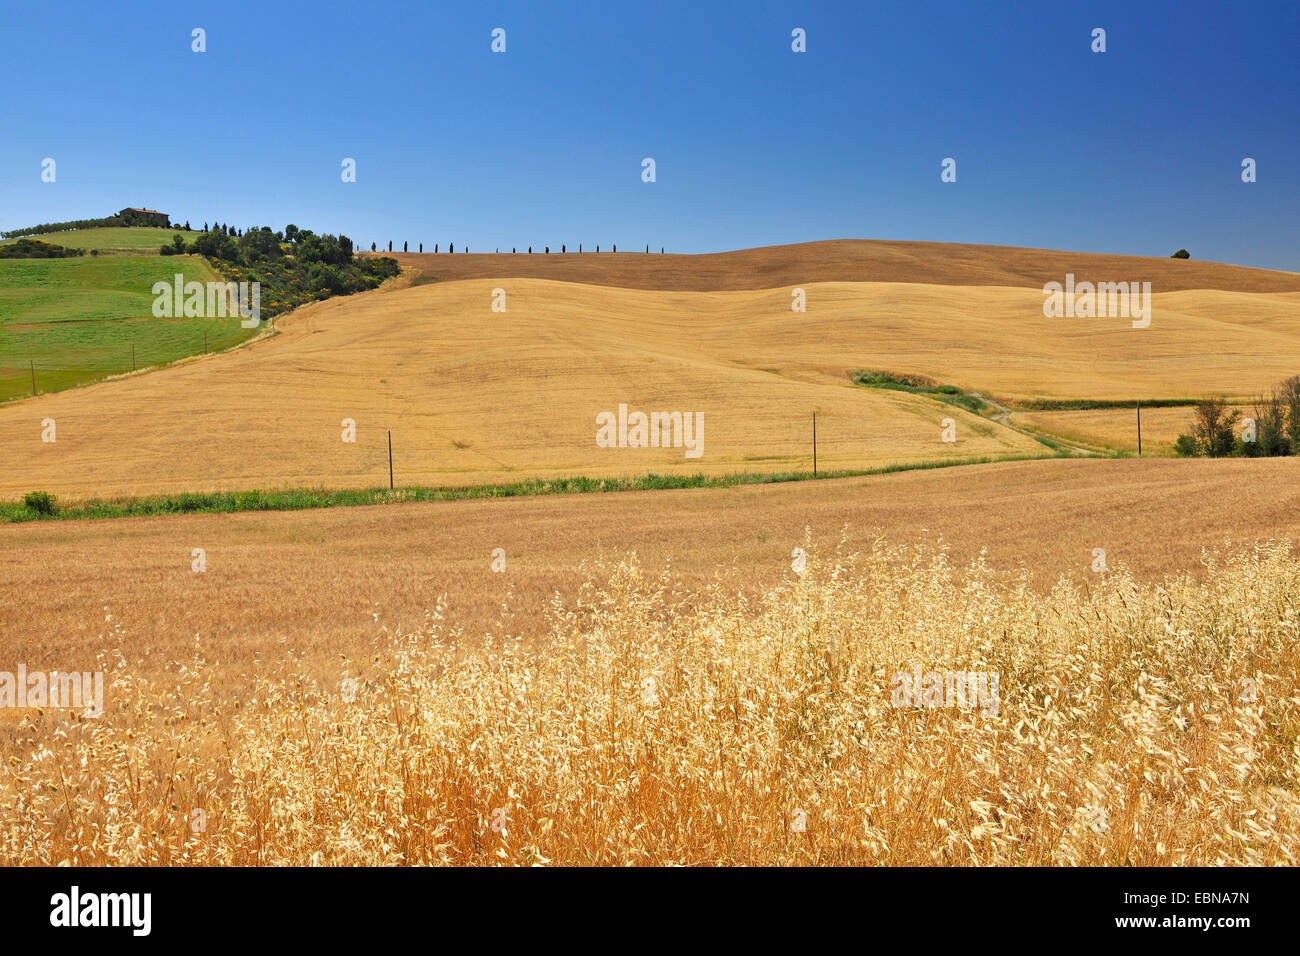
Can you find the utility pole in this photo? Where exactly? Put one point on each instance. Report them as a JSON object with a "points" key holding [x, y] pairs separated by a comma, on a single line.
{"points": [[33, 361], [1139, 408], [390, 461], [814, 444]]}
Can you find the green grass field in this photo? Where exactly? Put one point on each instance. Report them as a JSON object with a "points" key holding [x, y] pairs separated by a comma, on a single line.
{"points": [[118, 240], [76, 320]]}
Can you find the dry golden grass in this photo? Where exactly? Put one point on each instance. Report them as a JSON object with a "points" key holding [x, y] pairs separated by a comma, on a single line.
{"points": [[1134, 725], [474, 396]]}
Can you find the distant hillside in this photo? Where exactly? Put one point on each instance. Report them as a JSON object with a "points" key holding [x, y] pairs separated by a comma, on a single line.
{"points": [[847, 260], [475, 396], [137, 240], [66, 322]]}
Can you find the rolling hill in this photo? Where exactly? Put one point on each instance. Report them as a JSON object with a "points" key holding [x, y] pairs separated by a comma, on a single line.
{"points": [[66, 322], [472, 395], [846, 260]]}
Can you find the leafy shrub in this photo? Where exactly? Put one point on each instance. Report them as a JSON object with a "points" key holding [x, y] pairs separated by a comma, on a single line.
{"points": [[177, 248], [42, 502], [880, 379]]}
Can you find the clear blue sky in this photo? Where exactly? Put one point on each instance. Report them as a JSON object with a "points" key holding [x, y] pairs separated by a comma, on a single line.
{"points": [[1137, 150]]}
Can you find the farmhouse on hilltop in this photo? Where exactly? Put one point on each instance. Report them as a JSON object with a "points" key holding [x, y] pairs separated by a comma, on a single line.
{"points": [[159, 217]]}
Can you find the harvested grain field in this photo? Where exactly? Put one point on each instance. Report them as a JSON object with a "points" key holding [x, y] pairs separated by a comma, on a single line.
{"points": [[1115, 428], [319, 583], [472, 395], [846, 260]]}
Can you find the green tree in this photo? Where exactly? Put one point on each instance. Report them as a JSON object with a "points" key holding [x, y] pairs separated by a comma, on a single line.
{"points": [[1212, 427], [1288, 397]]}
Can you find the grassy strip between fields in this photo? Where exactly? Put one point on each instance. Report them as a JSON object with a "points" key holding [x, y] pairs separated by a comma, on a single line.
{"points": [[299, 499], [974, 403], [921, 385]]}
